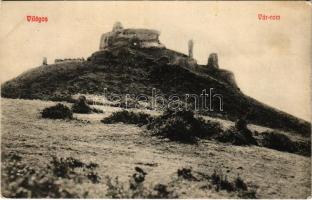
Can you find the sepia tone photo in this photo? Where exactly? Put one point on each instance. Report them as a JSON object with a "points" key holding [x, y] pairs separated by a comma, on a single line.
{"points": [[155, 99]]}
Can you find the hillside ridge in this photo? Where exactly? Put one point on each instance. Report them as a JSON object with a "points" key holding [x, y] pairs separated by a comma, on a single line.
{"points": [[126, 70]]}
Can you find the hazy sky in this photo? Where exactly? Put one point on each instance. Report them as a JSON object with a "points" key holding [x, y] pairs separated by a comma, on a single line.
{"points": [[270, 59]]}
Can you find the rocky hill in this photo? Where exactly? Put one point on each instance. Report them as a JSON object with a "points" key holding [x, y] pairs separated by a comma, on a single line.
{"points": [[127, 70]]}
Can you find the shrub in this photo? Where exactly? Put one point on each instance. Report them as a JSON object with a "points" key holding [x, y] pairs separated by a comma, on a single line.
{"points": [[65, 168], [221, 182], [238, 185], [241, 124], [81, 106], [281, 142], [237, 137], [127, 117], [137, 178], [182, 126], [278, 142], [161, 192], [59, 111], [247, 194], [176, 129], [304, 148]]}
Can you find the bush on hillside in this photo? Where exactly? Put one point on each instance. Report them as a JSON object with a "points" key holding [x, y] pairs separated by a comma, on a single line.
{"points": [[128, 117], [66, 168], [182, 126], [241, 124], [238, 134], [281, 142], [237, 137], [59, 111], [81, 106], [304, 148], [221, 182], [278, 142]]}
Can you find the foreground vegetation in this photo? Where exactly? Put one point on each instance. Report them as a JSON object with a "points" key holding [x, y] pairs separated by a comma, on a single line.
{"points": [[185, 127], [60, 177], [177, 169], [56, 180]]}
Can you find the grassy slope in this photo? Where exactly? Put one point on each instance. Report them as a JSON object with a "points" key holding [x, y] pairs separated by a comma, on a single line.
{"points": [[136, 73], [118, 148]]}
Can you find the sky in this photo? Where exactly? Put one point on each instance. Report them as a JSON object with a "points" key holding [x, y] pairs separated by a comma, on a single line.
{"points": [[271, 60]]}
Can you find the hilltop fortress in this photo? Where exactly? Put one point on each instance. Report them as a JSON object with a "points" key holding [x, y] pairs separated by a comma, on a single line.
{"points": [[145, 42]]}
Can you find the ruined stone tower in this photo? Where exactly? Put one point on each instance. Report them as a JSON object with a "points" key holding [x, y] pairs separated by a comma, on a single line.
{"points": [[44, 61], [213, 61], [190, 48], [117, 27]]}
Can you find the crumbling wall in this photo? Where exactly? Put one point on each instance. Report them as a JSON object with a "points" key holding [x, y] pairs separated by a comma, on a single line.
{"points": [[228, 77], [65, 60]]}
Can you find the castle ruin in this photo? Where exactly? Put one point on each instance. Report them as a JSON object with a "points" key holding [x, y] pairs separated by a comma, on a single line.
{"points": [[147, 41], [44, 61], [141, 38]]}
